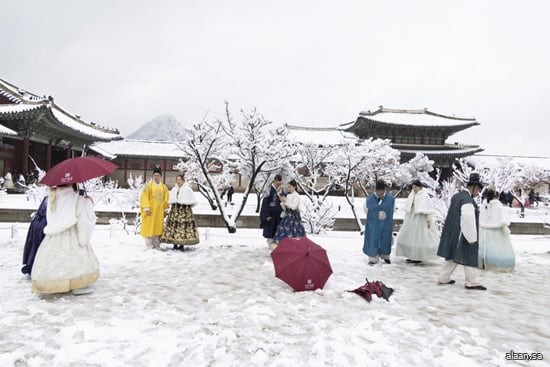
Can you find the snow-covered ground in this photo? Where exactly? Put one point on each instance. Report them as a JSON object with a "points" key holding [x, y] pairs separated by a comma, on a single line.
{"points": [[220, 305]]}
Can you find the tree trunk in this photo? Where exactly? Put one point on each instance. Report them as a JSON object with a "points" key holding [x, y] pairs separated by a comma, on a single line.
{"points": [[352, 206], [258, 201]]}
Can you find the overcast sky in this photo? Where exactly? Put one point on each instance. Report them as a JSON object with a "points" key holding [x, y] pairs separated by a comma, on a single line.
{"points": [[311, 63]]}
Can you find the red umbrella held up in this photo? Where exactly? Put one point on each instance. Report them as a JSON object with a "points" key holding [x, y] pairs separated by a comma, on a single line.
{"points": [[301, 263], [75, 170]]}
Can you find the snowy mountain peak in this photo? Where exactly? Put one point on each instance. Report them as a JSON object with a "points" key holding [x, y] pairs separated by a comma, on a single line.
{"points": [[161, 128]]}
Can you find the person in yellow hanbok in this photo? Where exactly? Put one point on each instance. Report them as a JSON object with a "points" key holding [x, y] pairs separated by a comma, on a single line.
{"points": [[153, 203]]}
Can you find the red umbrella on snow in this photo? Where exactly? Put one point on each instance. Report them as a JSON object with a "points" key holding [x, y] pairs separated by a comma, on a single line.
{"points": [[75, 170], [301, 263]]}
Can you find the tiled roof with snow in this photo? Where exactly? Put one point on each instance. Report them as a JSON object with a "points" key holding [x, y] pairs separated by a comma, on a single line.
{"points": [[4, 131], [24, 101], [422, 117], [491, 160], [140, 148], [318, 135], [453, 150]]}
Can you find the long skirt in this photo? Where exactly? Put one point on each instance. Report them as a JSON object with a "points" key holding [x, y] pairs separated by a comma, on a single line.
{"points": [[180, 228], [35, 236], [62, 265], [495, 250], [290, 226], [415, 240]]}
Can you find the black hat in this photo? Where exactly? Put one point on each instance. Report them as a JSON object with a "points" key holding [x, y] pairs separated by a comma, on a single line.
{"points": [[157, 169], [380, 185], [475, 179]]}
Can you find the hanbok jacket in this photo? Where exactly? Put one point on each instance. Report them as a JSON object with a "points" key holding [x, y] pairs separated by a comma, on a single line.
{"points": [[459, 237]]}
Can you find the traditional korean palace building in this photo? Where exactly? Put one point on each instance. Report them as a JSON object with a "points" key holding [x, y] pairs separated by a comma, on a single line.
{"points": [[35, 126], [138, 157], [410, 132]]}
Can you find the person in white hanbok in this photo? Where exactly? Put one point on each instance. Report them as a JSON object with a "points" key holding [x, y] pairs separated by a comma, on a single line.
{"points": [[495, 247], [418, 238], [65, 260]]}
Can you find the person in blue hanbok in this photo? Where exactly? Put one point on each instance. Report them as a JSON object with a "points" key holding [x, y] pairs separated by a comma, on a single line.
{"points": [[495, 247], [379, 224], [35, 235], [291, 224]]}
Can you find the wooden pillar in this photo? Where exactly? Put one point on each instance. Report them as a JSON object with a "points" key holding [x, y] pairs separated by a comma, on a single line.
{"points": [[48, 156], [126, 170], [68, 152], [145, 170], [164, 170], [24, 156]]}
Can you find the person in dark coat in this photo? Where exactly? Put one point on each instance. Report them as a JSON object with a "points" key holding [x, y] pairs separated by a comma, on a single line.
{"points": [[270, 212], [379, 224], [230, 192], [35, 235], [459, 238]]}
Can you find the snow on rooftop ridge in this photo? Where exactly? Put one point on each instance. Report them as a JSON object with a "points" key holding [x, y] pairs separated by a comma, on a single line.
{"points": [[492, 159], [414, 117], [6, 131], [16, 94], [318, 135], [75, 123], [26, 101], [308, 128], [137, 147]]}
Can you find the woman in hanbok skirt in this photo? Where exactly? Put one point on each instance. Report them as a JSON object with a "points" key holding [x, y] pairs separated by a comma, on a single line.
{"points": [[35, 235], [65, 260], [418, 238], [180, 228], [495, 247], [291, 224]]}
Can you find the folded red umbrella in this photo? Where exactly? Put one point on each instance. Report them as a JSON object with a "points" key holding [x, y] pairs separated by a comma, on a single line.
{"points": [[75, 170], [301, 263], [377, 287]]}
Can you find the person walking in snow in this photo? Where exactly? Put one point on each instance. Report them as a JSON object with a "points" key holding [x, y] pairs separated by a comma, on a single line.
{"points": [[181, 228], [153, 203], [459, 238], [270, 212], [418, 238], [65, 260], [495, 247], [379, 224], [291, 224]]}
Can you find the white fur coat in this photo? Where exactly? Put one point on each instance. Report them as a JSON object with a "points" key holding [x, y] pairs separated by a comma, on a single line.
{"points": [[182, 195], [292, 201], [67, 208], [423, 204]]}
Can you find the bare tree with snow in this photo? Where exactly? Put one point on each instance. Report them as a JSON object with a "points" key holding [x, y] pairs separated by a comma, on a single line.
{"points": [[260, 148], [417, 168], [318, 211], [356, 164]]}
